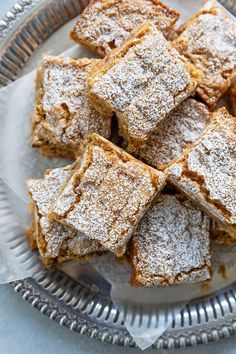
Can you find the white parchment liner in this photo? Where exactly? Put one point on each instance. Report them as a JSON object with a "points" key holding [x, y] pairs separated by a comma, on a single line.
{"points": [[156, 307]]}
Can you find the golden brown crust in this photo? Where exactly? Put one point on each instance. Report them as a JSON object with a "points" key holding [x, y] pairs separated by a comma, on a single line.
{"points": [[31, 239], [104, 24], [53, 151], [62, 114], [32, 232], [208, 40], [128, 83], [107, 194], [221, 236]]}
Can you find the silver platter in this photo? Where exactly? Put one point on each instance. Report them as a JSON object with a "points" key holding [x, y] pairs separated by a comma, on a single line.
{"points": [[84, 306]]}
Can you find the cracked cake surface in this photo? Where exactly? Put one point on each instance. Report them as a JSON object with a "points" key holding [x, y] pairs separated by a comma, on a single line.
{"points": [[107, 194], [171, 244], [206, 172], [142, 82], [174, 134], [56, 242], [63, 114], [104, 25], [208, 40]]}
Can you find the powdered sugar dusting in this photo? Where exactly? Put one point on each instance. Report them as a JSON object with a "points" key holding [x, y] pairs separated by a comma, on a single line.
{"points": [[67, 115], [107, 201], [171, 244], [59, 241], [209, 42], [65, 243], [144, 85], [104, 25], [174, 133], [207, 173], [45, 191]]}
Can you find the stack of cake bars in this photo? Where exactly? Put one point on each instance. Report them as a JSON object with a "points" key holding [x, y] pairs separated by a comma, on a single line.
{"points": [[168, 184]]}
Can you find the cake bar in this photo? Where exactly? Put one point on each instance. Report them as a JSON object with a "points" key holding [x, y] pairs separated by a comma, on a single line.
{"points": [[174, 134], [56, 243], [171, 244], [104, 24], [63, 114], [142, 81], [107, 194], [208, 40], [206, 172]]}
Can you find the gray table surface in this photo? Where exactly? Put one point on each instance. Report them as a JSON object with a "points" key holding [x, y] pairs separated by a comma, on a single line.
{"points": [[24, 330]]}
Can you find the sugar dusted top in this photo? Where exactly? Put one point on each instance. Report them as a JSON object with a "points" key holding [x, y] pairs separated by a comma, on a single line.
{"points": [[144, 84], [207, 172], [66, 116], [64, 242], [174, 133], [45, 191], [104, 24], [209, 42], [107, 196], [171, 244], [57, 237]]}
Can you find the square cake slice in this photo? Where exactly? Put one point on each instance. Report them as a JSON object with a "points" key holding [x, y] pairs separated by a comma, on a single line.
{"points": [[174, 134], [142, 82], [206, 172], [63, 114], [56, 243], [208, 40], [107, 194], [171, 244], [104, 24]]}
